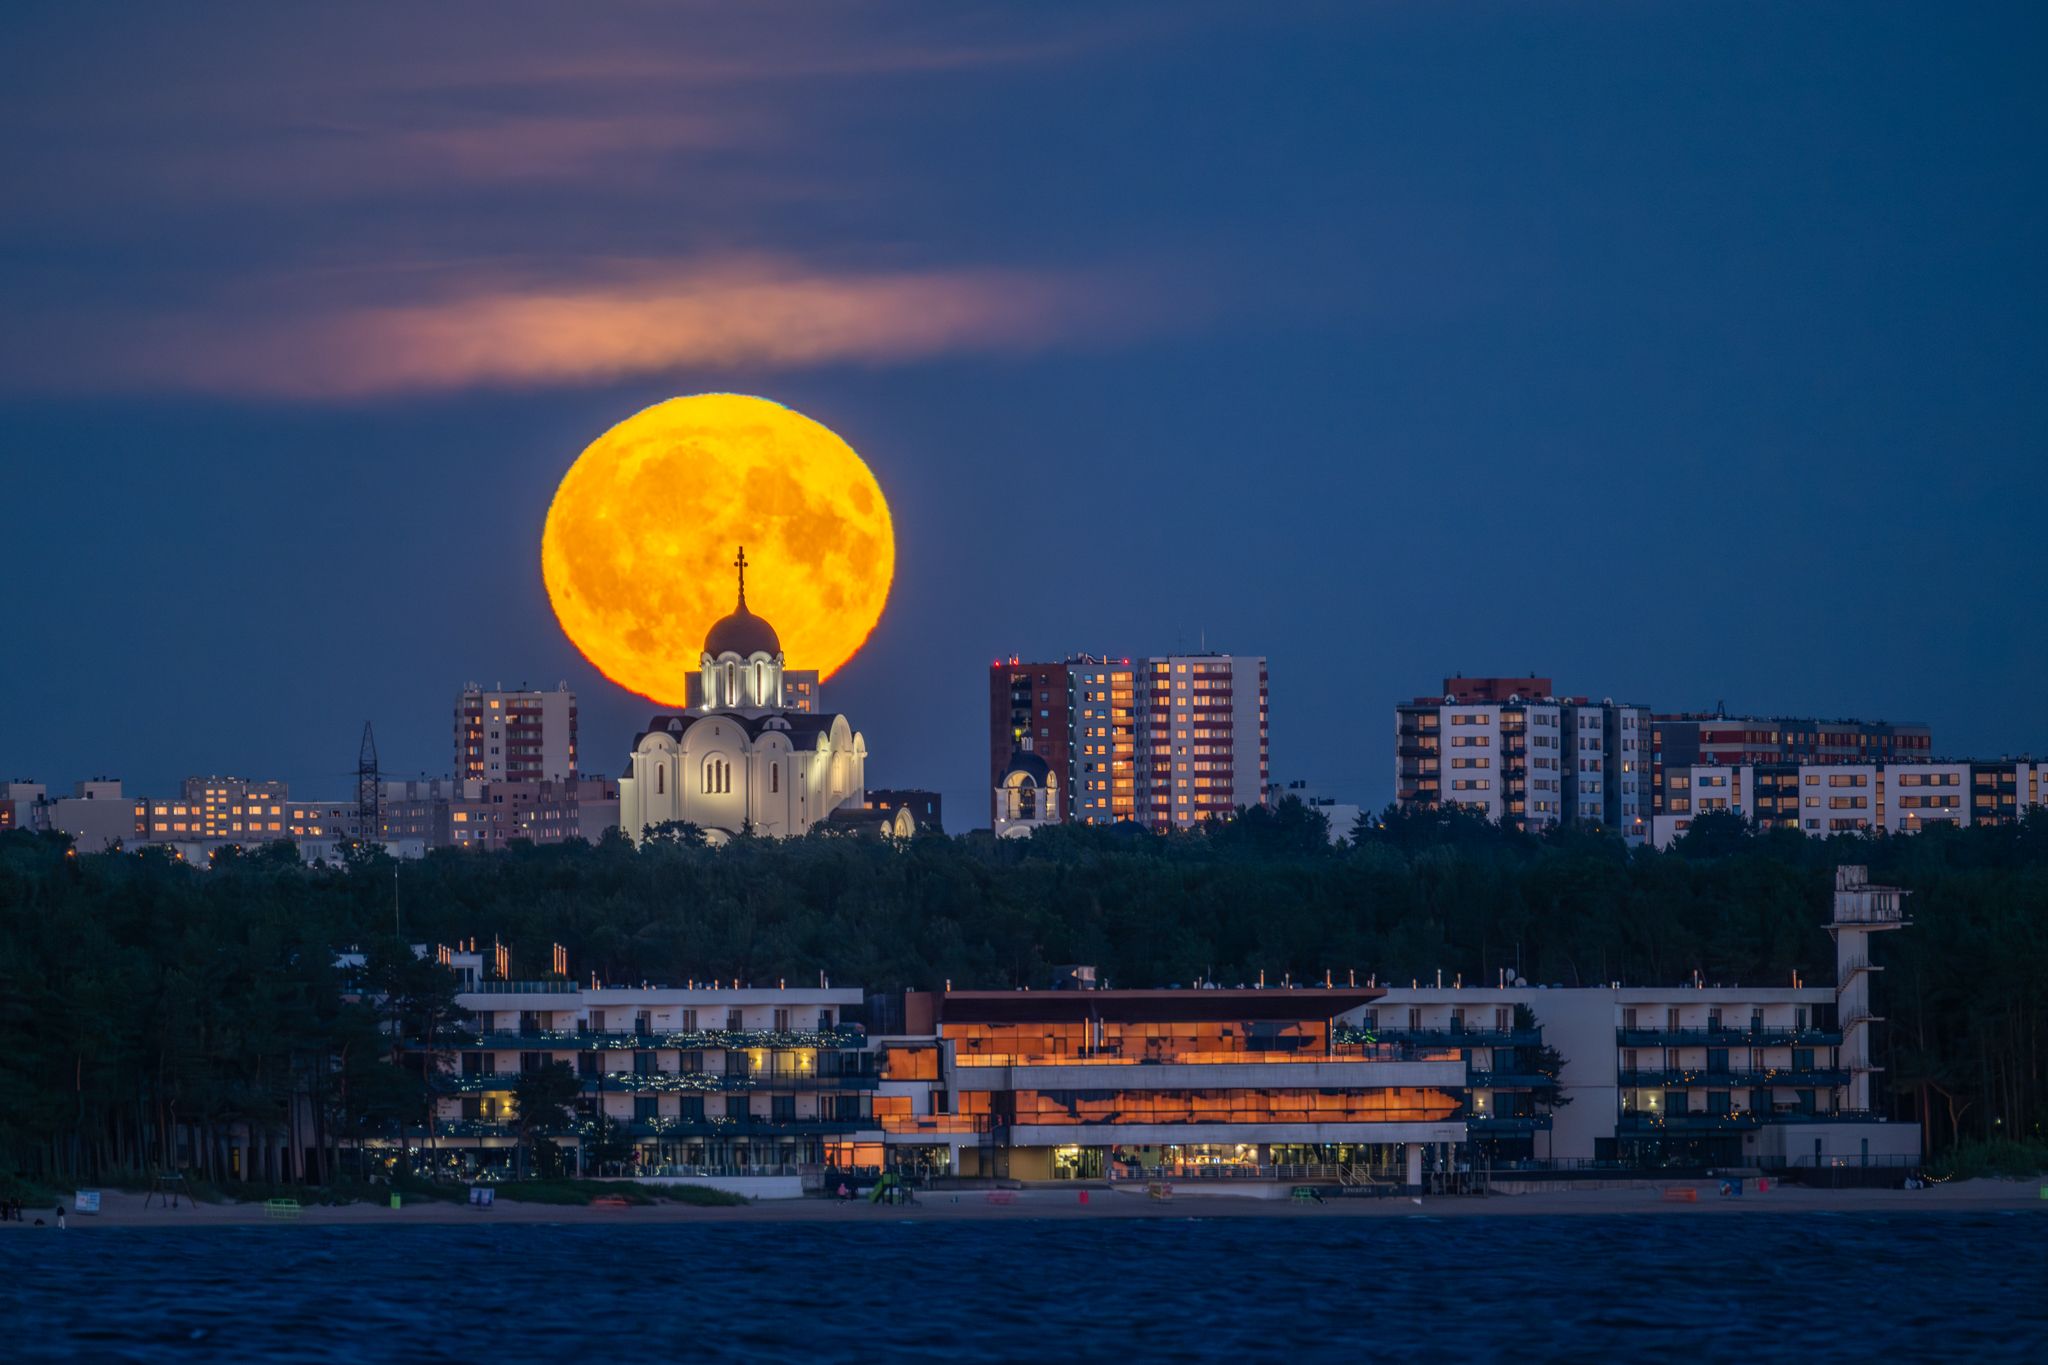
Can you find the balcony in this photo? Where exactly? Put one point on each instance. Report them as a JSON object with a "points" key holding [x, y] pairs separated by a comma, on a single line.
{"points": [[1506, 1125], [1771, 1035], [701, 1040], [1509, 1080], [673, 1082], [1642, 1125], [1785, 1077], [1444, 1037]]}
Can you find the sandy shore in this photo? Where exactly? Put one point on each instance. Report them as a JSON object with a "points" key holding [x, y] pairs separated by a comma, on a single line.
{"points": [[126, 1210]]}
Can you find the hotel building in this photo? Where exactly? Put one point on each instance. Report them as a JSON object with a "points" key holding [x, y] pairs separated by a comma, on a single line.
{"points": [[518, 736], [1127, 1084], [1510, 750], [694, 1079], [1701, 1074]]}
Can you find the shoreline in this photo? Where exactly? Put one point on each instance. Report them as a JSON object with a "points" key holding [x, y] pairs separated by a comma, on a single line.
{"points": [[123, 1210]]}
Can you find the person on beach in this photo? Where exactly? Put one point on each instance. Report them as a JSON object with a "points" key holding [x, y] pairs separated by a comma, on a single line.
{"points": [[60, 1215]]}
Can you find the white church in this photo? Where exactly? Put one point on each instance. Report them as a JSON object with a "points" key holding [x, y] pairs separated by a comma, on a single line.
{"points": [[741, 762]]}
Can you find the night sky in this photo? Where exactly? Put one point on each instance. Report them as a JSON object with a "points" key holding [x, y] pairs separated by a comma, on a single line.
{"points": [[1683, 353]]}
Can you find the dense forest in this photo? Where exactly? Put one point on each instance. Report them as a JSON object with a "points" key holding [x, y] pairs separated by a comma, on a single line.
{"points": [[138, 994]]}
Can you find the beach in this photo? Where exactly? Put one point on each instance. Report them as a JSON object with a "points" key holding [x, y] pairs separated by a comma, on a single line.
{"points": [[123, 1210]]}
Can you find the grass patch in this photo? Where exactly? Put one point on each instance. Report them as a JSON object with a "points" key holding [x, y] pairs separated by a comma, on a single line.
{"points": [[581, 1192]]}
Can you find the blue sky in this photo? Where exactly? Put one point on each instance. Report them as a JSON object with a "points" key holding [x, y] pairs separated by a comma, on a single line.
{"points": [[1684, 354]]}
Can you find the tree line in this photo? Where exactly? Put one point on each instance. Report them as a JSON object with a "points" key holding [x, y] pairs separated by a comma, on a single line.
{"points": [[143, 1001]]}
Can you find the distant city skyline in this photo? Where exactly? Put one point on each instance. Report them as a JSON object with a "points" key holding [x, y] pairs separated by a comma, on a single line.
{"points": [[1356, 338]]}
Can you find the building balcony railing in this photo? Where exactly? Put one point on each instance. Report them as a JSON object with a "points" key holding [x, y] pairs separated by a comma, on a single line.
{"points": [[1640, 1123], [1497, 1125], [1509, 1080], [1771, 1035], [1769, 1078], [669, 1082], [1445, 1037], [1336, 1052], [701, 1040]]}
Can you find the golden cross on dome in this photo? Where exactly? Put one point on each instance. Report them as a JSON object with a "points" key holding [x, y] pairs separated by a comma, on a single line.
{"points": [[741, 564]]}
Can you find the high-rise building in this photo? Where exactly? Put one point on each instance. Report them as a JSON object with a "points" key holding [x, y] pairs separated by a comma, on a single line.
{"points": [[1163, 741], [1511, 750], [1102, 714], [520, 736], [1201, 740]]}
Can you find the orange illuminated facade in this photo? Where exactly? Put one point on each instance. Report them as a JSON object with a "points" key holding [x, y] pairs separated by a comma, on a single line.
{"points": [[1126, 1084]]}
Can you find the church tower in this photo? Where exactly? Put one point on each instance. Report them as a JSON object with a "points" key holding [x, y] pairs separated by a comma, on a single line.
{"points": [[742, 659]]}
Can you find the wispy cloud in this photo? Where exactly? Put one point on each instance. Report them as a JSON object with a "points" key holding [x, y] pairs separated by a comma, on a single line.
{"points": [[720, 315]]}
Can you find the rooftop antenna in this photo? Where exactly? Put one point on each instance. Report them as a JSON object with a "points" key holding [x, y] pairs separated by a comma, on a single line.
{"points": [[369, 790]]}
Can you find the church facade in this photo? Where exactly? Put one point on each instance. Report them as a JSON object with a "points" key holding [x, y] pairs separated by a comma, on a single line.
{"points": [[743, 762]]}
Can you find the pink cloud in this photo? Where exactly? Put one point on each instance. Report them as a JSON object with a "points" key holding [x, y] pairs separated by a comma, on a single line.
{"points": [[750, 313]]}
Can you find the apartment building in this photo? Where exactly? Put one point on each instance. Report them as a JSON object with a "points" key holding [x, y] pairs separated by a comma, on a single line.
{"points": [[515, 736], [96, 815], [1207, 1084], [1166, 741], [1696, 1074], [444, 813], [1511, 750], [1201, 737], [1823, 799], [691, 1080], [1718, 740]]}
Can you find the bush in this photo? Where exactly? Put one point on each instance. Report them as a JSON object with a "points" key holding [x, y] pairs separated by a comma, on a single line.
{"points": [[1972, 1160]]}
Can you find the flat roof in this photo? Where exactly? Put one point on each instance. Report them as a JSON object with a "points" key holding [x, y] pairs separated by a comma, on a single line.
{"points": [[1156, 1006]]}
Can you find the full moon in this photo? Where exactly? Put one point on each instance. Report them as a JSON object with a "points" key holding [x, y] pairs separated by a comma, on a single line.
{"points": [[639, 545]]}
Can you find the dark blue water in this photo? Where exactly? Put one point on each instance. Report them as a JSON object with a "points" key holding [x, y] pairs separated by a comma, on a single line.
{"points": [[1821, 1287]]}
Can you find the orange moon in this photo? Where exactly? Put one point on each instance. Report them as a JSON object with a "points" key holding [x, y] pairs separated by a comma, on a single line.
{"points": [[639, 544]]}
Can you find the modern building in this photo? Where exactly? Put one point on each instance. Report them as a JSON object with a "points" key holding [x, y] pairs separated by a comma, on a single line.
{"points": [[443, 813], [1823, 799], [1201, 750], [1342, 816], [1164, 741], [1684, 740], [1204, 1084], [20, 799], [700, 1079], [1701, 1074], [96, 815], [1511, 750], [744, 762], [515, 736], [1102, 716]]}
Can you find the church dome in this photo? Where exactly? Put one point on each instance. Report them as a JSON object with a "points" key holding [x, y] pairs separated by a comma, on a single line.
{"points": [[742, 632]]}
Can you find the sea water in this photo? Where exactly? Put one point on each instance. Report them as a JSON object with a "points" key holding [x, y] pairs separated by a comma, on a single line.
{"points": [[1589, 1287]]}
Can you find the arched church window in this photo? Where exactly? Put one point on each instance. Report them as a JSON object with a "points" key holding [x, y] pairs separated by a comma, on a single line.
{"points": [[760, 684], [732, 685], [660, 783], [774, 777]]}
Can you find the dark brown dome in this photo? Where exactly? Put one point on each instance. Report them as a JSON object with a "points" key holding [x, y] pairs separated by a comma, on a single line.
{"points": [[742, 633]]}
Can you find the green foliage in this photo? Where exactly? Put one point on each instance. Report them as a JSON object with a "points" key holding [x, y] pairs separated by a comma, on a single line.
{"points": [[1971, 1160]]}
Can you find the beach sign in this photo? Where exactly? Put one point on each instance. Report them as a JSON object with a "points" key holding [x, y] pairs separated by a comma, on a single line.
{"points": [[85, 1201]]}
